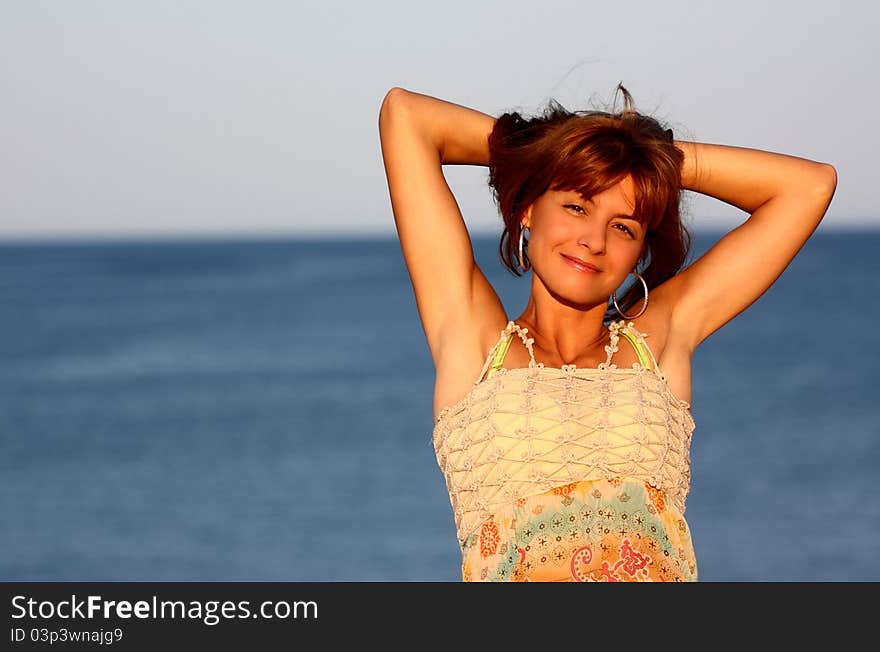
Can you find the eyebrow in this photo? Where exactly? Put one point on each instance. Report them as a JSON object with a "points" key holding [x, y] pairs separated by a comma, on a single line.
{"points": [[623, 216]]}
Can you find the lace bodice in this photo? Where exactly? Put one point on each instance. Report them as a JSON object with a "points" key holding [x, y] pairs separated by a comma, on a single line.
{"points": [[524, 431]]}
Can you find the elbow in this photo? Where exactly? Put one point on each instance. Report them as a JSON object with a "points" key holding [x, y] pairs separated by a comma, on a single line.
{"points": [[392, 102], [824, 187], [818, 181], [831, 174], [826, 179], [394, 94], [828, 186]]}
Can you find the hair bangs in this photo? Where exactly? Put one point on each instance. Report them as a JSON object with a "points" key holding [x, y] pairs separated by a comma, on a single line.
{"points": [[586, 171]]}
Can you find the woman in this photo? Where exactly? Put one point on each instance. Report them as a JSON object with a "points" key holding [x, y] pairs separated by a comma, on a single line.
{"points": [[565, 440]]}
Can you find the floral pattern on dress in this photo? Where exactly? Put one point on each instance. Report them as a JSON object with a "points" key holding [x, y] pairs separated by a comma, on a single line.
{"points": [[615, 530]]}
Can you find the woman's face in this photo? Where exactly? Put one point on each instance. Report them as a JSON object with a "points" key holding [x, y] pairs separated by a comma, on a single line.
{"points": [[582, 250]]}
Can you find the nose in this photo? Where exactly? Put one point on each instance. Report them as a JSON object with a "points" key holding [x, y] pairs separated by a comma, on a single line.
{"points": [[592, 236]]}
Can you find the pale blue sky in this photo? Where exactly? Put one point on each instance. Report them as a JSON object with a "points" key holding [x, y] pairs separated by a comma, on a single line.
{"points": [[209, 118]]}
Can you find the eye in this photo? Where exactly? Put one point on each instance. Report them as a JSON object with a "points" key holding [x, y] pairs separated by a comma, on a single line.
{"points": [[577, 209]]}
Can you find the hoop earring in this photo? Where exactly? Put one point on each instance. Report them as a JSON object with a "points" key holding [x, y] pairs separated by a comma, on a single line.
{"points": [[522, 262], [644, 304]]}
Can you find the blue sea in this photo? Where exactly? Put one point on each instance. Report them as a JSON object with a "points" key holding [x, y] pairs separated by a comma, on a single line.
{"points": [[262, 411]]}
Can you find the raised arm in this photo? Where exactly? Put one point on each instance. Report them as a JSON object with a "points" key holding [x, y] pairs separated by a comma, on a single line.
{"points": [[419, 134], [787, 197]]}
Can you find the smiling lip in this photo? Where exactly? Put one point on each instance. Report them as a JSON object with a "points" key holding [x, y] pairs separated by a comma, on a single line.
{"points": [[581, 265]]}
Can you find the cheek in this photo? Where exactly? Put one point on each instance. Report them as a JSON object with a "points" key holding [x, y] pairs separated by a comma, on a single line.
{"points": [[551, 234]]}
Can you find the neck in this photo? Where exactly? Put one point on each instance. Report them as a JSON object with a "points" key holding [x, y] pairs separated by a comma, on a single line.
{"points": [[562, 331]]}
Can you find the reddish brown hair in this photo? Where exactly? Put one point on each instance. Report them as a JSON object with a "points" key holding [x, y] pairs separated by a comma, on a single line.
{"points": [[590, 152]]}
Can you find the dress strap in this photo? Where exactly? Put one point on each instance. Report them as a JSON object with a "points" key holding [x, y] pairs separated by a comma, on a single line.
{"points": [[496, 355], [527, 342], [501, 351], [637, 339]]}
